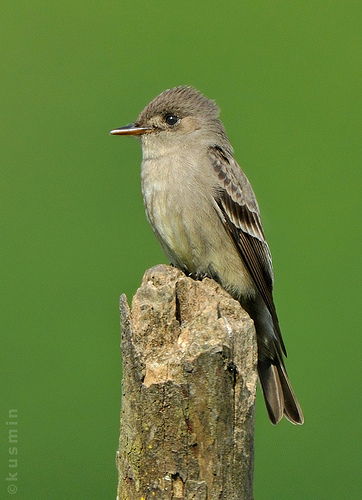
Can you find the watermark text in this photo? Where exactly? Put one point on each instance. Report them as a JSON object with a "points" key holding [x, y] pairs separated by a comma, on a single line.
{"points": [[13, 438]]}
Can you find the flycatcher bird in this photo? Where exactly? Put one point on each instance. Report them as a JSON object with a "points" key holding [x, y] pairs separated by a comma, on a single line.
{"points": [[204, 213]]}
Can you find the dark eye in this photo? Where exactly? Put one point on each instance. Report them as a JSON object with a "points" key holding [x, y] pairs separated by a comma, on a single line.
{"points": [[171, 119]]}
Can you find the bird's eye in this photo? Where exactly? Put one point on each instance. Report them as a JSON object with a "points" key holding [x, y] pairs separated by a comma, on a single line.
{"points": [[171, 119]]}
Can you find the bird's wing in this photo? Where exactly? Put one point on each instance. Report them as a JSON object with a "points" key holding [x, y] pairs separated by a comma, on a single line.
{"points": [[240, 213]]}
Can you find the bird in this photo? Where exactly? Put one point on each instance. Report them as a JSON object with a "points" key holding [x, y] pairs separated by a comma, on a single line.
{"points": [[205, 215]]}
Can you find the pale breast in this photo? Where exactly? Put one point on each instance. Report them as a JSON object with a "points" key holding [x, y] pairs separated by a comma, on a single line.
{"points": [[182, 214]]}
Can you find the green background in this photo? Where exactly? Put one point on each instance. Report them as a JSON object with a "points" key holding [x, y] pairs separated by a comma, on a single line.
{"points": [[74, 235]]}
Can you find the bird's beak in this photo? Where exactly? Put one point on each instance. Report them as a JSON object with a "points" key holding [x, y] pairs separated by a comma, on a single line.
{"points": [[131, 129]]}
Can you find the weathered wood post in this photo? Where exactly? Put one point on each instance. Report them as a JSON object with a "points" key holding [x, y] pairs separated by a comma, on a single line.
{"points": [[189, 384]]}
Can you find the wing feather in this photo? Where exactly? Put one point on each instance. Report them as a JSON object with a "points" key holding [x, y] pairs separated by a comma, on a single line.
{"points": [[240, 213]]}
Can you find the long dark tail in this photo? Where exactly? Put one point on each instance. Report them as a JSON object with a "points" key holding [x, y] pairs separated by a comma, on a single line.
{"points": [[278, 393]]}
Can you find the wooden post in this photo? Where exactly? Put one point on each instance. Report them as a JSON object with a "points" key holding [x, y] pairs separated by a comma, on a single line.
{"points": [[189, 384]]}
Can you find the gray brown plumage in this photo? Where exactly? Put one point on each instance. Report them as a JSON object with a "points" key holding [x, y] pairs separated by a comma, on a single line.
{"points": [[203, 210]]}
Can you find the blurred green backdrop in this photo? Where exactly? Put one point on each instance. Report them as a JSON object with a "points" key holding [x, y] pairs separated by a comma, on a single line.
{"points": [[74, 234]]}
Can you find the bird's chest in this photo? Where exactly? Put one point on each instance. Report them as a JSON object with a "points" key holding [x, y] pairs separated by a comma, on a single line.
{"points": [[170, 207], [163, 193]]}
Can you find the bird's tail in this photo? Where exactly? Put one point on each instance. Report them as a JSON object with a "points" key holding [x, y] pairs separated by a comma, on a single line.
{"points": [[278, 393]]}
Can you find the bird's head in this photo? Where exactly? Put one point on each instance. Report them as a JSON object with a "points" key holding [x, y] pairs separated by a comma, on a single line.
{"points": [[176, 117]]}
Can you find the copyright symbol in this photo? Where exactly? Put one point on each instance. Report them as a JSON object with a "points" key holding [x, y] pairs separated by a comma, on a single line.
{"points": [[12, 489]]}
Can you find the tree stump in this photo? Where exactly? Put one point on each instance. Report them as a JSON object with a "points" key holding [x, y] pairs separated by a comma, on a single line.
{"points": [[189, 385]]}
